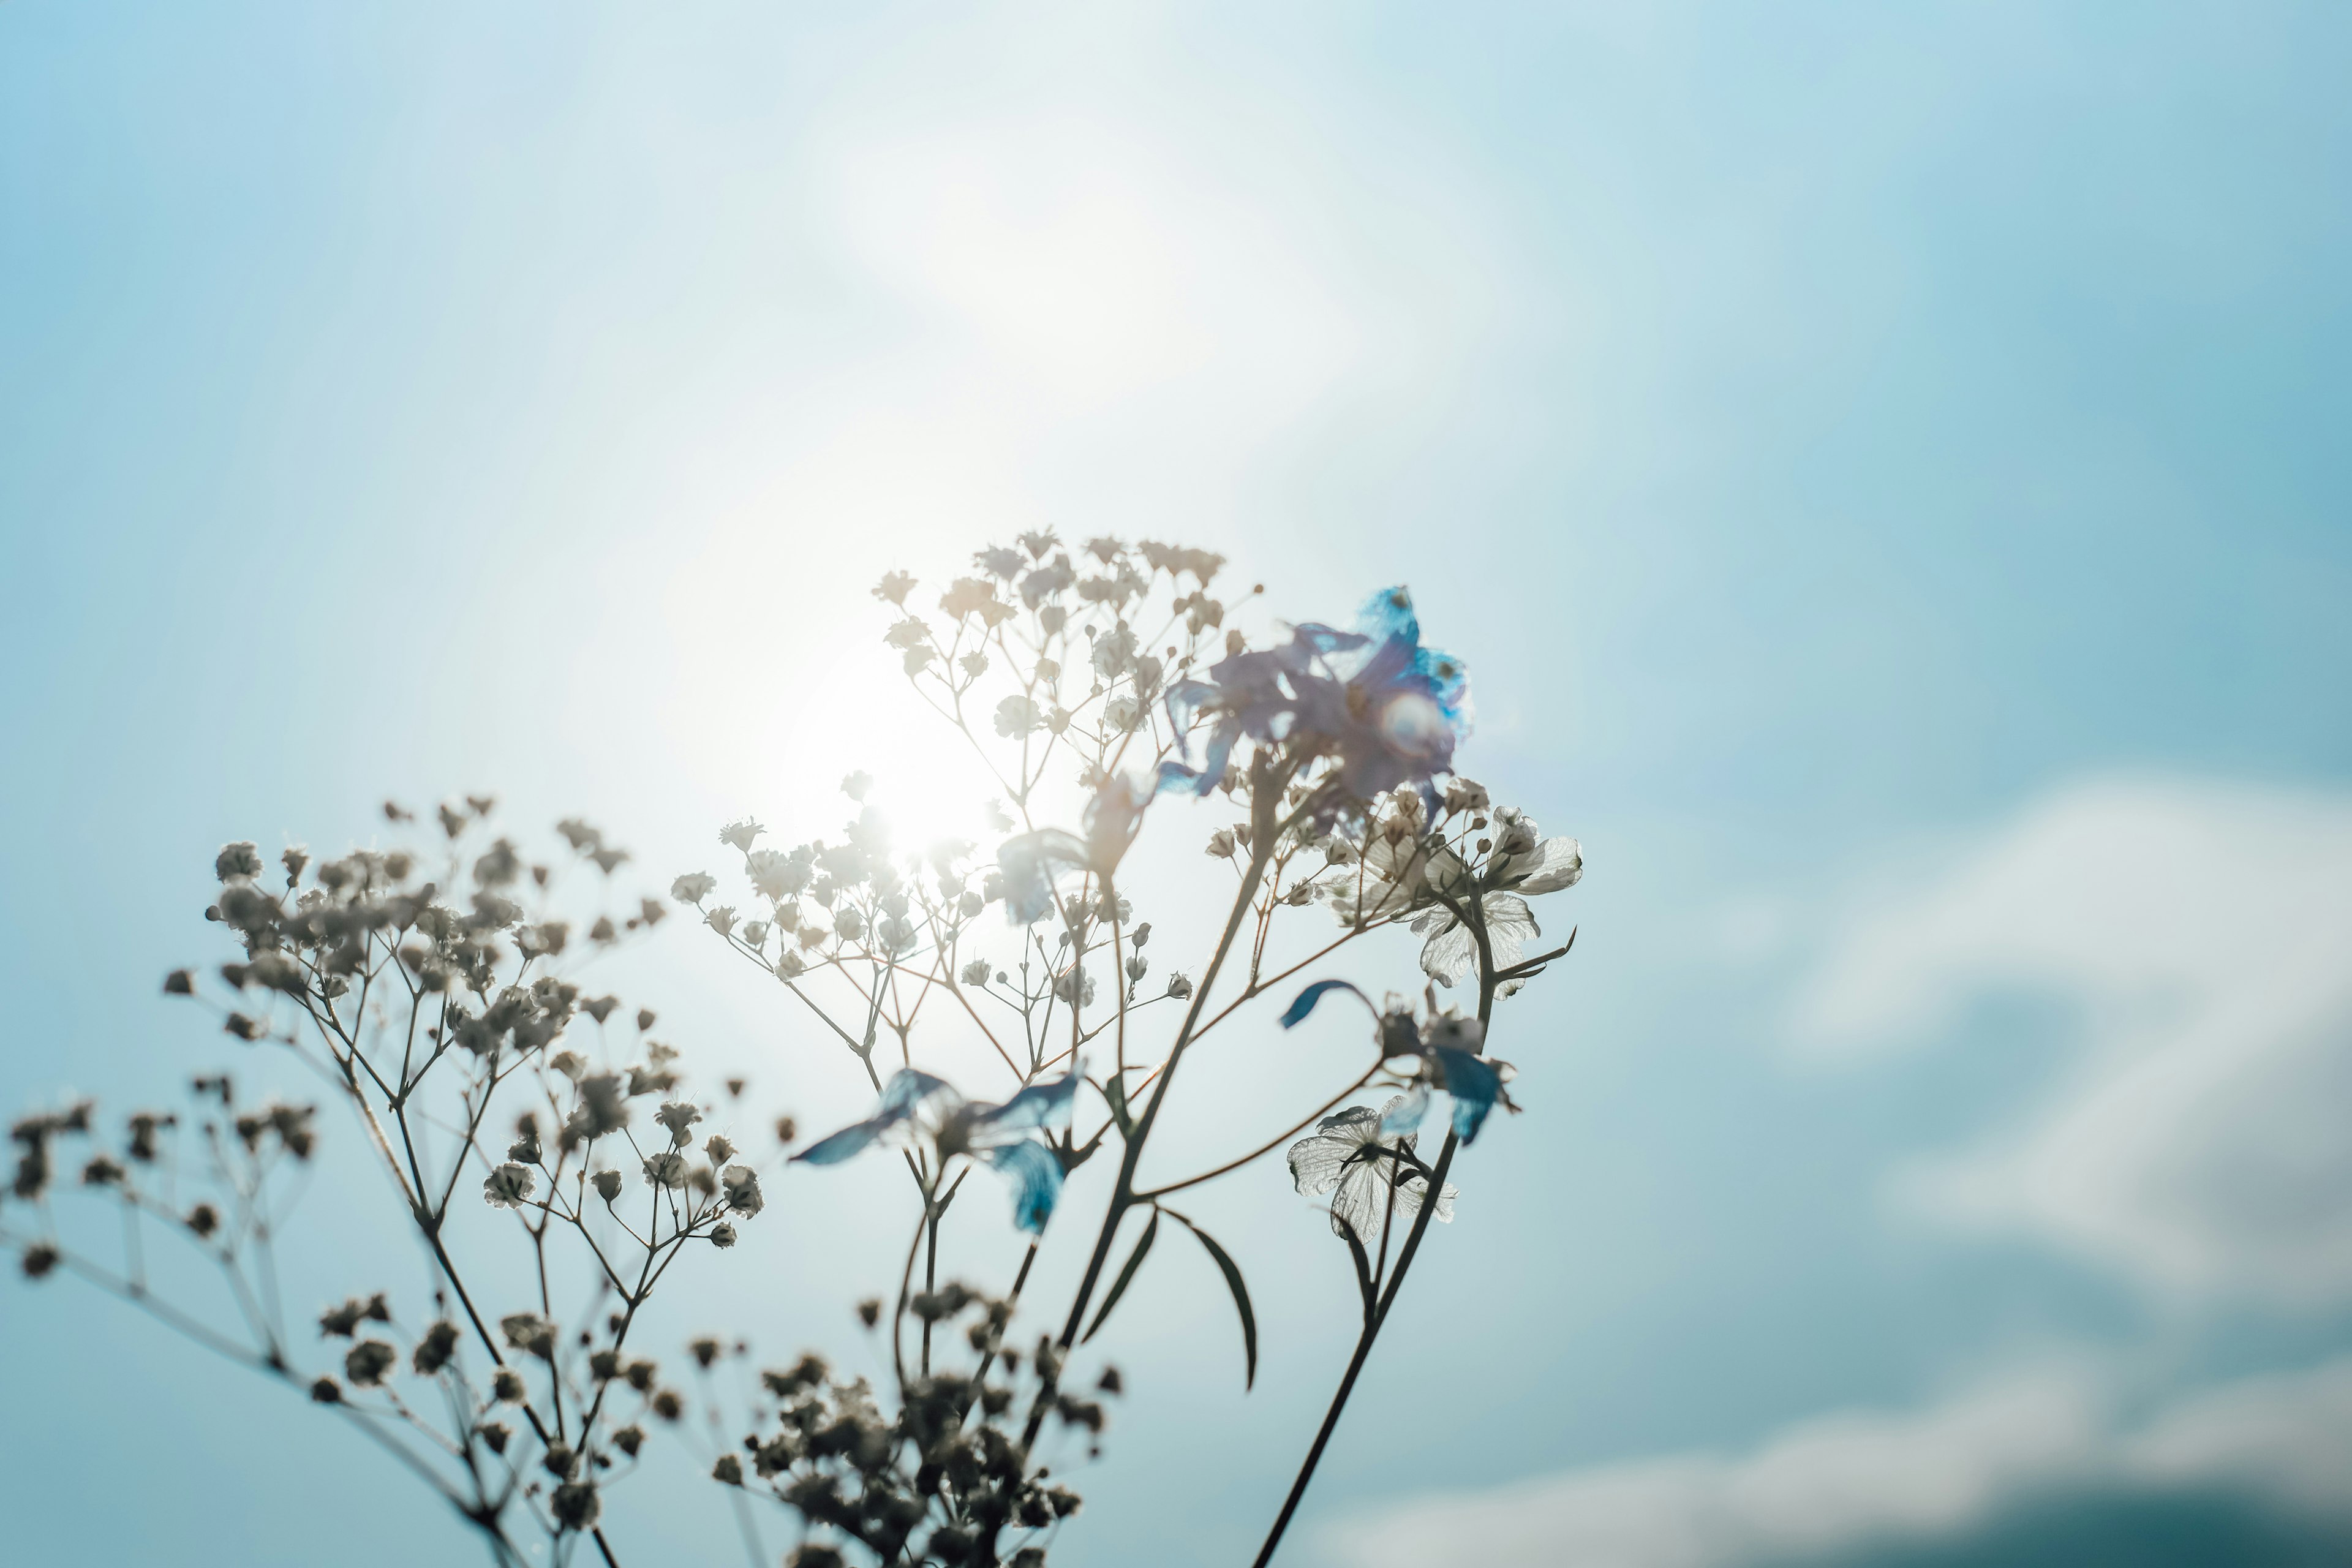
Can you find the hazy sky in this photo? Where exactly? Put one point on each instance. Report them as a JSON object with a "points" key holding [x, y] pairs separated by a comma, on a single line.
{"points": [[1885, 470]]}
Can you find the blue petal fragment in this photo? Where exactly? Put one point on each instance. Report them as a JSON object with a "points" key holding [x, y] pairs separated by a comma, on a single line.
{"points": [[1305, 1002], [851, 1139], [1406, 1113], [901, 1095], [907, 1090], [1473, 1083], [1389, 614], [1041, 1105], [1036, 1178]]}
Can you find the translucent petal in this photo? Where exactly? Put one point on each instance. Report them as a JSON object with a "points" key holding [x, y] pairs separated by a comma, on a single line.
{"points": [[851, 1139], [1039, 1105], [908, 1090], [1510, 926], [1473, 1083], [1036, 1178], [1403, 1114], [1558, 863], [1449, 954], [1316, 1163]]}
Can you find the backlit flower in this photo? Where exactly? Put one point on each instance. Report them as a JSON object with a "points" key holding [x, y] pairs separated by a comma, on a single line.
{"points": [[1352, 1156]]}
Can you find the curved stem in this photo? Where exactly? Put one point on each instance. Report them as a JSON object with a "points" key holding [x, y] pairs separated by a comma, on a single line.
{"points": [[1487, 982]]}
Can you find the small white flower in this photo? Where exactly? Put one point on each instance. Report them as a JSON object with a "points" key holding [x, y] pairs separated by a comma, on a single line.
{"points": [[1342, 1157], [508, 1186], [1452, 950], [742, 1185], [679, 1117]]}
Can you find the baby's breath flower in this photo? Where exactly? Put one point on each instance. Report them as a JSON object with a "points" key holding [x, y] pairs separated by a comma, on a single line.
{"points": [[436, 1350], [742, 1184], [366, 1363], [693, 888], [576, 1505], [679, 1117], [529, 1332], [666, 1169], [508, 1186]]}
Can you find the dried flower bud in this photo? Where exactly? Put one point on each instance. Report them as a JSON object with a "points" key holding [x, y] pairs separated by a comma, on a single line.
{"points": [[608, 1184], [366, 1363], [576, 1505], [327, 1392], [722, 1236], [435, 1350], [869, 1311], [38, 1260], [507, 1387]]}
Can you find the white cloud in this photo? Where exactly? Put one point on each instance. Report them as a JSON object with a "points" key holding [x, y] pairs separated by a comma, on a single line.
{"points": [[1855, 1479], [2204, 934]]}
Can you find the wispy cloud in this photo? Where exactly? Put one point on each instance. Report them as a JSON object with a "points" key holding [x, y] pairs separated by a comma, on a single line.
{"points": [[1855, 1479], [2194, 1141]]}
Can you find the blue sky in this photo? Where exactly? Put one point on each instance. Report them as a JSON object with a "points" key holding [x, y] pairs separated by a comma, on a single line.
{"points": [[1884, 466]]}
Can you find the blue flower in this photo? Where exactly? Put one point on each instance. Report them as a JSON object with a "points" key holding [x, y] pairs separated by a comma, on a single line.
{"points": [[1444, 1053], [1030, 863], [1000, 1136], [1388, 710]]}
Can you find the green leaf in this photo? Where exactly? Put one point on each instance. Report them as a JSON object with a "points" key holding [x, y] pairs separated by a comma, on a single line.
{"points": [[1232, 1274], [1114, 1091], [1119, 1286]]}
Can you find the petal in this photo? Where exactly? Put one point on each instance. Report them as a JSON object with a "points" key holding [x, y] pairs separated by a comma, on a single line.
{"points": [[1509, 925], [1557, 863], [1039, 1105], [1473, 1083], [908, 1090], [1404, 1113], [1316, 1163], [1036, 1178], [1448, 955], [851, 1139], [1304, 1002], [1029, 864], [1362, 1201]]}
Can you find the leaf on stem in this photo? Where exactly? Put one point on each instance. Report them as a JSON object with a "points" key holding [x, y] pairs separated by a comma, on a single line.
{"points": [[1363, 1260], [1232, 1274], [1119, 1286]]}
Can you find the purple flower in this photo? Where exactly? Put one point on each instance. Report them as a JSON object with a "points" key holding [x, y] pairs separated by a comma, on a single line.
{"points": [[1388, 710]]}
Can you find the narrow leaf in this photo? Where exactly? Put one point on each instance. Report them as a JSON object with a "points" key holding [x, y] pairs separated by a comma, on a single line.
{"points": [[1241, 1296], [1114, 1091], [1363, 1260], [1119, 1286]]}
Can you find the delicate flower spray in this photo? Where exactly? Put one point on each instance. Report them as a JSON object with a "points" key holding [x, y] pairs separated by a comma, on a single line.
{"points": [[1327, 757]]}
